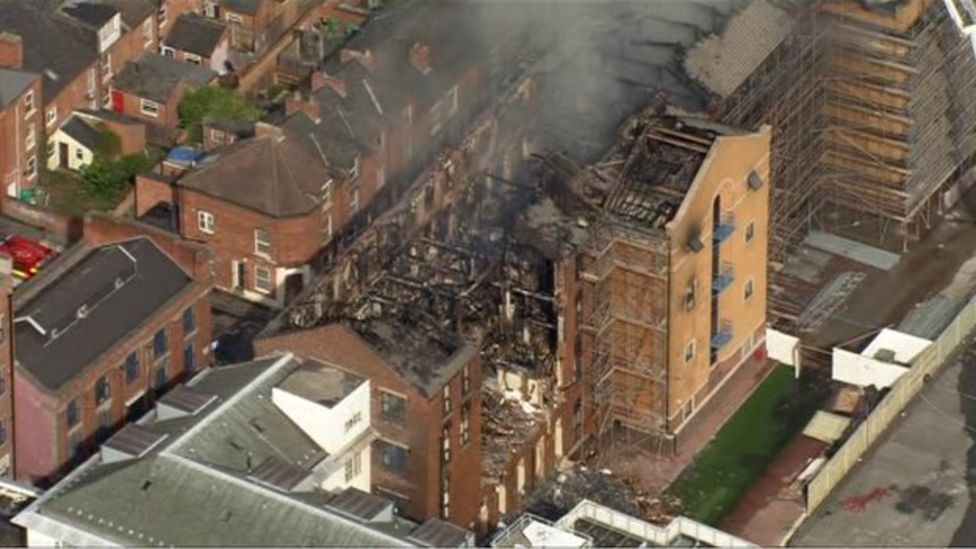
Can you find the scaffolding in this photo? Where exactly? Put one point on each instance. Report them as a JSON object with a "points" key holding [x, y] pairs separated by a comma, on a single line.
{"points": [[629, 273], [873, 116]]}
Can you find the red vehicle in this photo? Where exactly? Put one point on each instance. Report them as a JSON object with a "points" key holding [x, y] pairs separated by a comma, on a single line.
{"points": [[29, 255]]}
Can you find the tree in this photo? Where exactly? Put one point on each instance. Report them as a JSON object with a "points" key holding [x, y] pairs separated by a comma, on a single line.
{"points": [[106, 180], [217, 103]]}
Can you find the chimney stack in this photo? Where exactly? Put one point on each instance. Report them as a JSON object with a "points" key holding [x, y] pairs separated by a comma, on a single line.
{"points": [[321, 79], [364, 57], [11, 51], [420, 57], [296, 102]]}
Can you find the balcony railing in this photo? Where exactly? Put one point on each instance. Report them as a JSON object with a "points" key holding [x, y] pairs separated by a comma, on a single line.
{"points": [[723, 278], [723, 335], [724, 228]]}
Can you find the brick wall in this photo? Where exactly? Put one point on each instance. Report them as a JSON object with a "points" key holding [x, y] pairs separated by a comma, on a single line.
{"points": [[68, 229], [151, 190], [15, 124]]}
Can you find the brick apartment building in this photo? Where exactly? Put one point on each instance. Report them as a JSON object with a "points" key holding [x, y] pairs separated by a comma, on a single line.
{"points": [[198, 40], [417, 379], [75, 48], [99, 336], [20, 122]]}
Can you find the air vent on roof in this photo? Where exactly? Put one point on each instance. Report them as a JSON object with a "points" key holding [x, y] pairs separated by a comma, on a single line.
{"points": [[133, 441], [278, 474]]}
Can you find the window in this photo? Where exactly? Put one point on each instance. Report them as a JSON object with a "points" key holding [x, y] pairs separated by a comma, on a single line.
{"points": [[29, 104], [71, 414], [354, 201], [131, 368], [750, 231], [107, 67], [189, 321], [147, 33], [353, 420], [435, 118], [393, 408], [380, 177], [354, 466], [328, 227], [446, 498], [354, 171], [392, 456], [452, 101], [262, 279], [167, 51], [262, 242], [79, 154], [446, 444], [51, 116], [446, 399], [192, 59], [690, 351], [234, 18], [216, 135], [465, 424], [149, 108], [160, 379], [327, 194], [160, 344], [578, 420], [31, 138], [161, 15], [3, 433], [31, 170], [689, 300], [189, 358], [466, 379], [748, 290], [102, 391], [206, 222]]}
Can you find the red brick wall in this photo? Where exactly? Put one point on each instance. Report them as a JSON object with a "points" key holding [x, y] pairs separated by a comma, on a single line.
{"points": [[14, 126], [174, 8], [132, 137], [293, 241], [67, 228], [6, 376], [151, 191], [421, 482], [35, 431], [168, 115]]}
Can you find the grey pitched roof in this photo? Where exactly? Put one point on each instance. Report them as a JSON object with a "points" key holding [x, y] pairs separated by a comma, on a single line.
{"points": [[175, 496], [154, 77], [274, 175], [195, 34], [79, 130], [55, 45], [115, 288], [134, 12], [12, 84], [91, 14], [249, 7]]}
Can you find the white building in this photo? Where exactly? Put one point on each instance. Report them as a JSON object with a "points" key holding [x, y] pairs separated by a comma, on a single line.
{"points": [[888, 356]]}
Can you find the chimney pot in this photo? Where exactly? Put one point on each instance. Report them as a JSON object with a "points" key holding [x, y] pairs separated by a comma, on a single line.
{"points": [[321, 79], [11, 51], [420, 57]]}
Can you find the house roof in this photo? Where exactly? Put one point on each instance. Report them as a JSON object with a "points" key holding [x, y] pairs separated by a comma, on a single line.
{"points": [[12, 85], [54, 45], [249, 7], [155, 77], [134, 12], [327, 136], [90, 13], [78, 129], [272, 174], [195, 34], [75, 314], [195, 489]]}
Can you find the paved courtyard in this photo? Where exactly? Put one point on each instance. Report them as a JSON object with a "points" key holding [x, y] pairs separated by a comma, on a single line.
{"points": [[912, 488]]}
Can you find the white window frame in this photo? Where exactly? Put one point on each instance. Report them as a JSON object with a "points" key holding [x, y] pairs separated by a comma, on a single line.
{"points": [[691, 348], [452, 101], [192, 58], [29, 107], [148, 32], [354, 201], [149, 108], [216, 135], [30, 168], [162, 14], [258, 242], [258, 269], [380, 177], [327, 194], [51, 116], [167, 51], [30, 140], [234, 18], [353, 466], [107, 67], [354, 171], [748, 289], [79, 153], [435, 118], [206, 222]]}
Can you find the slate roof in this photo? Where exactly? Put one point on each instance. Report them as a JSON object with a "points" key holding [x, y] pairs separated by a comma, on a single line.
{"points": [[249, 7], [119, 286], [155, 77], [273, 174], [175, 495], [91, 14], [195, 34], [13, 83], [55, 46], [79, 130]]}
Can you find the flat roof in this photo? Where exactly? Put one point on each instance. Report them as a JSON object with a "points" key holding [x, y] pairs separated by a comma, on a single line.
{"points": [[321, 383]]}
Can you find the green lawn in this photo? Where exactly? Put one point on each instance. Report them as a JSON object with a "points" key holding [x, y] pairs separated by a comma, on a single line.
{"points": [[732, 461]]}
